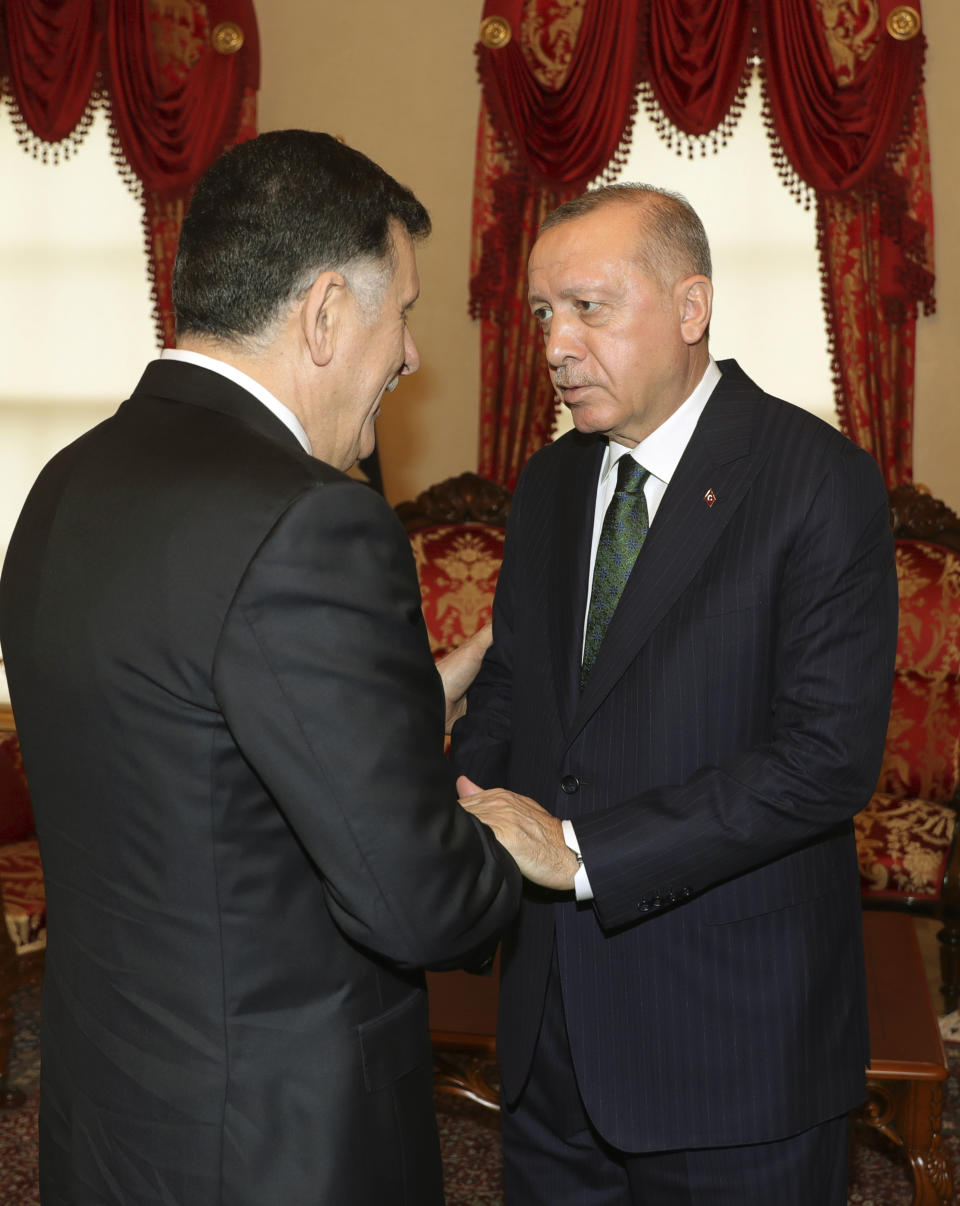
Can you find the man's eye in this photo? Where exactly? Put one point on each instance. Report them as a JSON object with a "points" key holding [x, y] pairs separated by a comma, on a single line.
{"points": [[587, 307], [543, 314]]}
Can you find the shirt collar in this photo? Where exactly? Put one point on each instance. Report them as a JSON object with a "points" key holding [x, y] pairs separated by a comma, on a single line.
{"points": [[661, 451], [238, 377]]}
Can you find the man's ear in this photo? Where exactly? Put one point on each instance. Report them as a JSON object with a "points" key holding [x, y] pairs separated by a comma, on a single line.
{"points": [[321, 315], [696, 306]]}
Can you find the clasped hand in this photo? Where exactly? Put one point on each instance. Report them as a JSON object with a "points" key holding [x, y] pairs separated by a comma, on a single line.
{"points": [[459, 668], [531, 834]]}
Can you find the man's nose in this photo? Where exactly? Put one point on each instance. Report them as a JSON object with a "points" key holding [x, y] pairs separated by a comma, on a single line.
{"points": [[411, 354], [563, 341]]}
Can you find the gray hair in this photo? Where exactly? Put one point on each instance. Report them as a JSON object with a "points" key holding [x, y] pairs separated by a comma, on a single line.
{"points": [[671, 243]]}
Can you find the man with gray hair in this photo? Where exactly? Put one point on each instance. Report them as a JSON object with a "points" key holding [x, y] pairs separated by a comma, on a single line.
{"points": [[233, 730], [694, 635]]}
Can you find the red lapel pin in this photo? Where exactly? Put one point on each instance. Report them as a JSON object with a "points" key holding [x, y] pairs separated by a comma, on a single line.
{"points": [[709, 498]]}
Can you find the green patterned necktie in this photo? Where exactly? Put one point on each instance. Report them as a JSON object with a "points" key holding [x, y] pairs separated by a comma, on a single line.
{"points": [[624, 530]]}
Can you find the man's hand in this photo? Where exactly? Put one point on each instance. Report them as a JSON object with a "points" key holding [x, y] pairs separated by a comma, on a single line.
{"points": [[529, 833], [458, 670]]}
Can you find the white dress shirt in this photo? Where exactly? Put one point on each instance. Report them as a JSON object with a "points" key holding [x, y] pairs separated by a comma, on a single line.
{"points": [[283, 413], [659, 453]]}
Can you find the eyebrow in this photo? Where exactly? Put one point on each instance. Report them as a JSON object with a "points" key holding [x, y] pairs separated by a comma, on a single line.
{"points": [[580, 289]]}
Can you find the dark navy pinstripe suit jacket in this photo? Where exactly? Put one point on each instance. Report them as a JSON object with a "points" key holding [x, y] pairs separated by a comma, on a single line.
{"points": [[732, 726]]}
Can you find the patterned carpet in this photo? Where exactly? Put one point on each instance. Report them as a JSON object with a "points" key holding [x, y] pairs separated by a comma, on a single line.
{"points": [[18, 1128], [469, 1135]]}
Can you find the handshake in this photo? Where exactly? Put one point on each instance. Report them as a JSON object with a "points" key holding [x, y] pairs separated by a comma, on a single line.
{"points": [[528, 832]]}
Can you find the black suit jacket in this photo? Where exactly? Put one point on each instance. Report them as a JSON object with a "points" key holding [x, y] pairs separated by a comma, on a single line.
{"points": [[731, 727], [233, 733]]}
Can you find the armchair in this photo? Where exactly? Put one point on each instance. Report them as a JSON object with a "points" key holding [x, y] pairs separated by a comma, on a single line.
{"points": [[907, 835], [456, 530]]}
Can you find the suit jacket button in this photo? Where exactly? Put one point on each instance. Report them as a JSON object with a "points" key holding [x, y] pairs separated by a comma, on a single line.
{"points": [[569, 784]]}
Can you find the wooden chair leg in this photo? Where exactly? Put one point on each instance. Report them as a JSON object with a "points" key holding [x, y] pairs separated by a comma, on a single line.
{"points": [[909, 1112]]}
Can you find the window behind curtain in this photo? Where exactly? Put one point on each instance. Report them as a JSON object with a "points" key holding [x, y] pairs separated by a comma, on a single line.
{"points": [[75, 321]]}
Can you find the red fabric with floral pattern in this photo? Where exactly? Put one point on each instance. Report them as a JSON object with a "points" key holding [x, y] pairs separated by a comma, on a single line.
{"points": [[922, 752], [905, 833], [458, 567], [24, 901], [21, 876], [902, 846], [16, 815]]}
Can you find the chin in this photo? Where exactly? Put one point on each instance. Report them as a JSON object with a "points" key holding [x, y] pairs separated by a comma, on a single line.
{"points": [[587, 423]]}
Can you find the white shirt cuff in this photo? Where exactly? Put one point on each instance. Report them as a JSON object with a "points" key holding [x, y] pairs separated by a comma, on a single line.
{"points": [[581, 881]]}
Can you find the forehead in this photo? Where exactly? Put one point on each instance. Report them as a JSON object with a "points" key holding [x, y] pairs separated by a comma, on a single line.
{"points": [[598, 248]]}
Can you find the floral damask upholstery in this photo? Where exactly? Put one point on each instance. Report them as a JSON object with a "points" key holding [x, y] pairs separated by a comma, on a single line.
{"points": [[458, 568], [922, 753], [907, 835], [24, 904], [456, 531], [903, 844], [21, 875], [23, 938]]}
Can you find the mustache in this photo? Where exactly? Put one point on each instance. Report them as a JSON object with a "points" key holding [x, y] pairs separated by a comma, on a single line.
{"points": [[566, 378]]}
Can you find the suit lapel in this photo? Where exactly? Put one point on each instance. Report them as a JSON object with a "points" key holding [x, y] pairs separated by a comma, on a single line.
{"points": [[719, 458], [569, 565]]}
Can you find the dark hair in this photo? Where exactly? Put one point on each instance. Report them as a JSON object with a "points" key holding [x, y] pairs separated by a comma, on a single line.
{"points": [[672, 243], [269, 216]]}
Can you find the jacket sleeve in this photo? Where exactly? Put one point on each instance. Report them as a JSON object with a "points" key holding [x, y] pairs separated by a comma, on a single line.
{"points": [[833, 657], [324, 675]]}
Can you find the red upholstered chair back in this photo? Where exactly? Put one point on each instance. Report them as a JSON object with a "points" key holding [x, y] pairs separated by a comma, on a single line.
{"points": [[456, 531], [458, 567], [23, 931], [907, 836], [22, 895], [16, 815], [922, 754]]}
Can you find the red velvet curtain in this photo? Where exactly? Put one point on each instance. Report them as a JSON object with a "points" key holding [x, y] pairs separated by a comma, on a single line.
{"points": [[179, 78], [844, 106]]}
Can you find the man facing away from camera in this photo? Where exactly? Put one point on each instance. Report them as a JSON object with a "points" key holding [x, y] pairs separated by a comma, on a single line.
{"points": [[694, 635], [233, 730]]}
